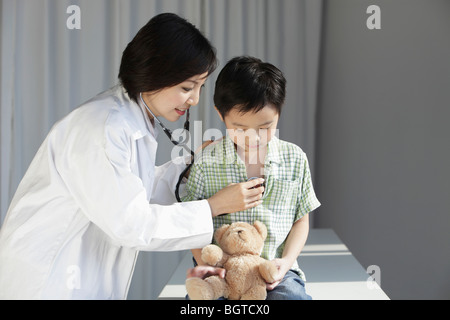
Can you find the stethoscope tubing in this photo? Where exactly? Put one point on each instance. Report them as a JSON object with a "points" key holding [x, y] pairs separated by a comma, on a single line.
{"points": [[169, 134]]}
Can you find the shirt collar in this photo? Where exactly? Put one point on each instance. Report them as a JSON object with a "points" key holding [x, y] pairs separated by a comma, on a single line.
{"points": [[274, 152], [229, 151]]}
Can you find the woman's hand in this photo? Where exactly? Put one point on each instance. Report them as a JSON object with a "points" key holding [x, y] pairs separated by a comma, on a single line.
{"points": [[205, 271], [237, 197]]}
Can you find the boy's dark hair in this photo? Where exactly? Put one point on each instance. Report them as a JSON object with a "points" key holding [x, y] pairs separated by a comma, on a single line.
{"points": [[249, 84], [167, 51]]}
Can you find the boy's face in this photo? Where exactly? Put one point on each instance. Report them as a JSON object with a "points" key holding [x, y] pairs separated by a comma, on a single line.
{"points": [[251, 131]]}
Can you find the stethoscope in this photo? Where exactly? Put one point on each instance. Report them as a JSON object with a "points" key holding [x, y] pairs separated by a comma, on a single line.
{"points": [[181, 143]]}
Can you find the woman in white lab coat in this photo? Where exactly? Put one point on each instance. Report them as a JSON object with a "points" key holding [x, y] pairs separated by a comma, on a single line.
{"points": [[92, 197]]}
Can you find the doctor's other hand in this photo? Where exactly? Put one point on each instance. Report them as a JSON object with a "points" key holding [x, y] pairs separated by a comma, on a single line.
{"points": [[205, 271], [237, 197]]}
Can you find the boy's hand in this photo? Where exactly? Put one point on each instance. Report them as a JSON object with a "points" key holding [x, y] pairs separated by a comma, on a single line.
{"points": [[237, 197], [283, 267]]}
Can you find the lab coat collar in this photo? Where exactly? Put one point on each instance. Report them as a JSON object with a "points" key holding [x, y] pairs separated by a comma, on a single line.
{"points": [[139, 116]]}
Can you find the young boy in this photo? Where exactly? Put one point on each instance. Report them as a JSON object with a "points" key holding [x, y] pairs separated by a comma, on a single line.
{"points": [[249, 95]]}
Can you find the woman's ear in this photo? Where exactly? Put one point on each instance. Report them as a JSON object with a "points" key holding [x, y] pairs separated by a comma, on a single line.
{"points": [[218, 112]]}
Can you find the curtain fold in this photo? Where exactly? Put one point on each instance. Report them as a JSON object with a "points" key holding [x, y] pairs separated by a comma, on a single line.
{"points": [[47, 70], [285, 33]]}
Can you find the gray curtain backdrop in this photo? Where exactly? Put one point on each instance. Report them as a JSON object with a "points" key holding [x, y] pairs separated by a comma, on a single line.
{"points": [[47, 70]]}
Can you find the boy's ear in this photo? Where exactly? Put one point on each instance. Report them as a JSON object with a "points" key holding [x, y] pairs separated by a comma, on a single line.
{"points": [[220, 115]]}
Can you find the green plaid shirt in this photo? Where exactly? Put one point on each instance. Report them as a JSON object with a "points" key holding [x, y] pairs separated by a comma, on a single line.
{"points": [[288, 195]]}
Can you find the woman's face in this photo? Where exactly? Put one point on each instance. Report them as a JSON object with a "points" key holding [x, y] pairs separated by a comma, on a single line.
{"points": [[173, 102]]}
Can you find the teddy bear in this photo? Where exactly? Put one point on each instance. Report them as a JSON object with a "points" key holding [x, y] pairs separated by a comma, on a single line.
{"points": [[238, 252]]}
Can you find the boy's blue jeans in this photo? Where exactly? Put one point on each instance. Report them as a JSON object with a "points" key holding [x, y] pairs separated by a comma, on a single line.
{"points": [[292, 287]]}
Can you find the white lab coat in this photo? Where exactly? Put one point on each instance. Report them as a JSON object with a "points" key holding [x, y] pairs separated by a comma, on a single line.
{"points": [[90, 200]]}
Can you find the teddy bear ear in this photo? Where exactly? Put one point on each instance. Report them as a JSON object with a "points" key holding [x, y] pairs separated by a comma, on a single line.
{"points": [[219, 232], [261, 228]]}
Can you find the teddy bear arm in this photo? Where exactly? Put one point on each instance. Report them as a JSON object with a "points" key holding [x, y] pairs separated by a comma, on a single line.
{"points": [[268, 270], [213, 255]]}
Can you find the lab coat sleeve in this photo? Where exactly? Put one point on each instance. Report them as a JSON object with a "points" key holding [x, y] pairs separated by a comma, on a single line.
{"points": [[96, 169], [166, 179]]}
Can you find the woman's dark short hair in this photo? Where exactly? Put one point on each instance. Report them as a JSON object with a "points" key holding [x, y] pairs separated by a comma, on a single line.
{"points": [[249, 84], [167, 51]]}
